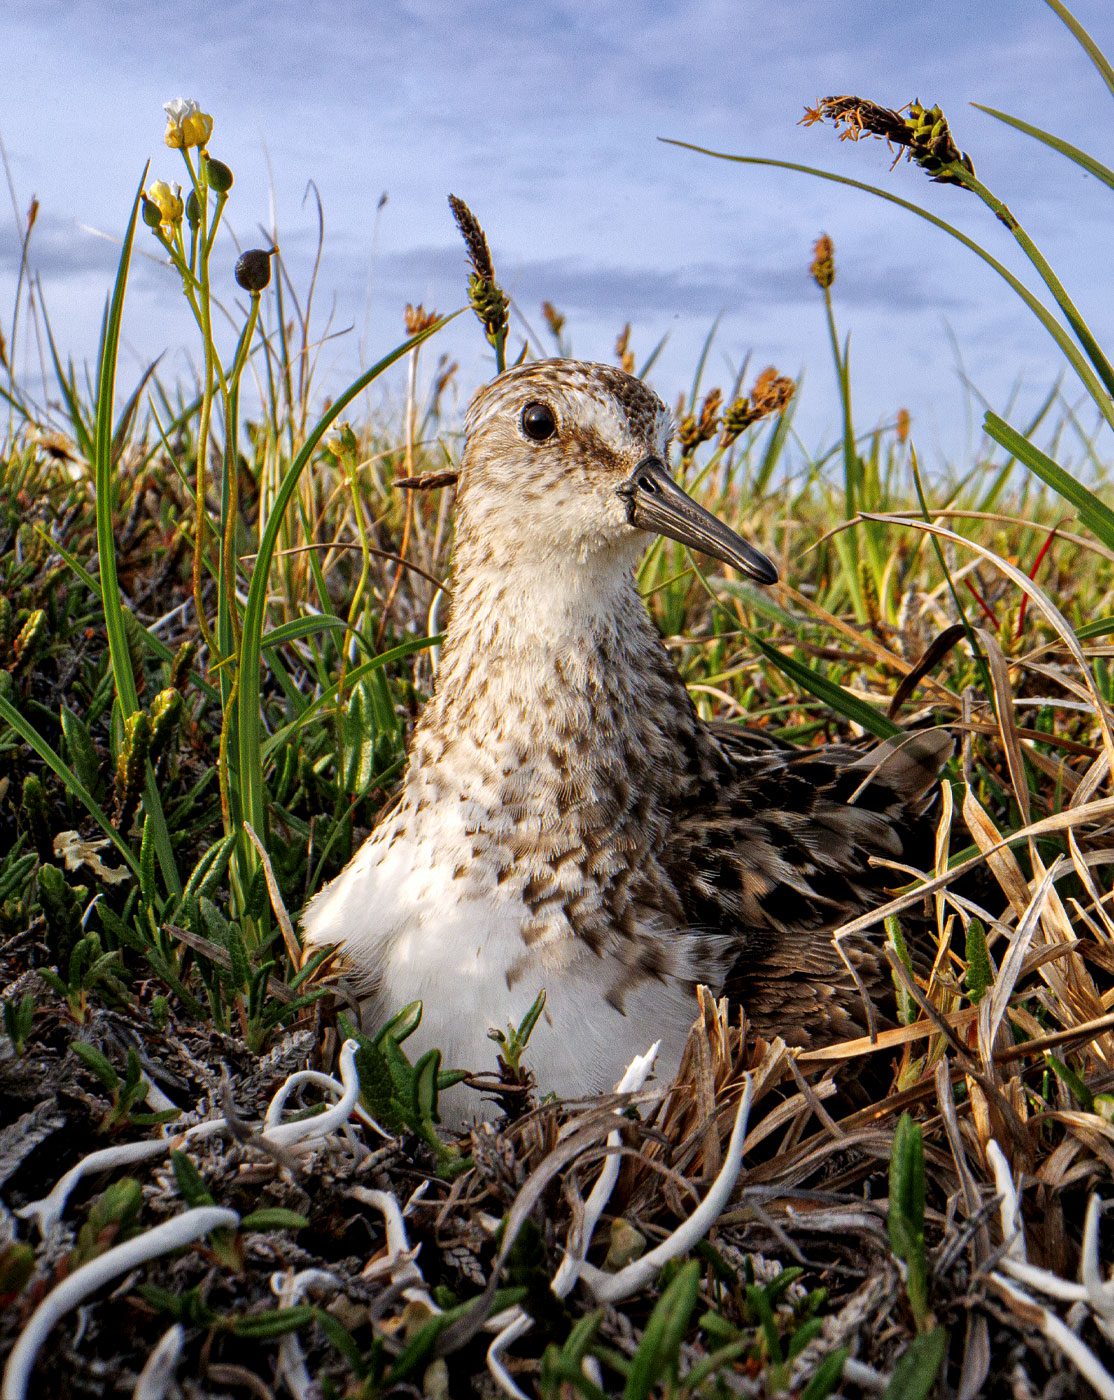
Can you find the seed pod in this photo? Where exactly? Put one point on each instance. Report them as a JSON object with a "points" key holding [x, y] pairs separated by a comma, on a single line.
{"points": [[218, 175], [5, 626], [30, 637], [253, 269], [61, 906], [152, 214], [166, 711], [131, 767], [180, 666], [37, 815], [193, 209]]}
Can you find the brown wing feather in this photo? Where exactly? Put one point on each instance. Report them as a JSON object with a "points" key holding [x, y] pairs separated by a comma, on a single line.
{"points": [[781, 852]]}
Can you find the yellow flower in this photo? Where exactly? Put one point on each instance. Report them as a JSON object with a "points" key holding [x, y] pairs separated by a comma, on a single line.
{"points": [[186, 124], [167, 201]]}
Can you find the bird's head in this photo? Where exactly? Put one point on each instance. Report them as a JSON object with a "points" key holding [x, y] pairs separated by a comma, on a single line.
{"points": [[565, 460]]}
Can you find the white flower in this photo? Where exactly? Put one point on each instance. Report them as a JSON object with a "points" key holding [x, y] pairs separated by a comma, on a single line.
{"points": [[186, 123]]}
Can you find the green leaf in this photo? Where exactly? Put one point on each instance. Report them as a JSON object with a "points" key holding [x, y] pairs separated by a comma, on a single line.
{"points": [[916, 1371], [1095, 514], [1048, 320], [274, 1218], [249, 698], [979, 974], [189, 1181], [105, 497], [826, 1376], [905, 1216], [80, 749], [832, 694], [70, 780], [659, 1351], [1076, 1086], [100, 1064], [1086, 43], [1065, 148], [277, 1323]]}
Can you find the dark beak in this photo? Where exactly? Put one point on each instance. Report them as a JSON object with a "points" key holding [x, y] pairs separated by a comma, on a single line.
{"points": [[655, 502]]}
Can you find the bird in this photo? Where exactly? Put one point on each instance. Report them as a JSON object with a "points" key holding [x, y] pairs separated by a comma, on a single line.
{"points": [[567, 821]]}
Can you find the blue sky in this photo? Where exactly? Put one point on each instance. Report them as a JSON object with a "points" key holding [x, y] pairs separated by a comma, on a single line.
{"points": [[545, 117]]}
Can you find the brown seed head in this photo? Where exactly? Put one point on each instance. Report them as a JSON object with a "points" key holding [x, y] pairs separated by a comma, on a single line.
{"points": [[487, 298], [822, 268], [623, 352], [695, 429], [553, 318], [418, 319], [770, 395], [903, 422], [922, 136]]}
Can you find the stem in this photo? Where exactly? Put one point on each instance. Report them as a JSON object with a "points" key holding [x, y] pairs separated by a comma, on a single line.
{"points": [[1004, 214]]}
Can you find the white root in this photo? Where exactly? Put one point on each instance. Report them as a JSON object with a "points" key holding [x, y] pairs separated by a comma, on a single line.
{"points": [[1061, 1336], [1013, 1232], [613, 1288], [399, 1265], [320, 1080], [290, 1364], [515, 1329], [162, 1239], [636, 1074], [309, 1130], [1093, 1290], [157, 1376]]}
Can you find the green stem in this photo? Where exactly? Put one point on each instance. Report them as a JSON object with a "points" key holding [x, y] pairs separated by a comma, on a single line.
{"points": [[1066, 344], [1004, 214]]}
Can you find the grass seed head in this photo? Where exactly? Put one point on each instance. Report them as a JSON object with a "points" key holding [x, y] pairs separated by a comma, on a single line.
{"points": [[487, 298], [553, 318], [697, 428], [770, 395], [923, 135], [418, 319], [822, 268], [623, 353]]}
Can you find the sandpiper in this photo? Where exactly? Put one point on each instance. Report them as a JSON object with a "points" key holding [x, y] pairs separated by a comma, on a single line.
{"points": [[567, 821]]}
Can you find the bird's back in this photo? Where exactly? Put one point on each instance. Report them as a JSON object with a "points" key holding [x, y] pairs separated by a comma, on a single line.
{"points": [[788, 845]]}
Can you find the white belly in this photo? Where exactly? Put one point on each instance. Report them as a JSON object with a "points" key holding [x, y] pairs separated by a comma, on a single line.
{"points": [[404, 926]]}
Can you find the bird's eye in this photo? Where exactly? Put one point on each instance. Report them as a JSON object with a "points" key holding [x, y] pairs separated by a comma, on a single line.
{"points": [[538, 422]]}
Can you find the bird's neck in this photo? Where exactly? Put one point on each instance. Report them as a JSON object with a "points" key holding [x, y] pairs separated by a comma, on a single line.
{"points": [[556, 702]]}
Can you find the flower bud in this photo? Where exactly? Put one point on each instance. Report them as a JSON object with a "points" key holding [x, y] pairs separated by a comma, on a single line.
{"points": [[167, 201], [218, 175], [253, 269], [193, 209], [152, 214], [186, 124]]}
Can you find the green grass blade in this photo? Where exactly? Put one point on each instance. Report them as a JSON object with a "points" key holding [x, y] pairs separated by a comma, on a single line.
{"points": [[1095, 514], [833, 695], [102, 451], [69, 778], [156, 644], [1065, 148], [250, 697], [1090, 48], [354, 676], [111, 606], [1067, 346]]}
